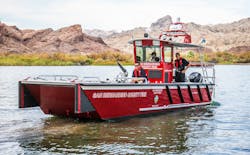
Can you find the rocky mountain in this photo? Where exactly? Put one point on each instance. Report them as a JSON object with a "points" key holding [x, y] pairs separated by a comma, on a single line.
{"points": [[99, 33], [67, 39], [161, 24], [234, 37]]}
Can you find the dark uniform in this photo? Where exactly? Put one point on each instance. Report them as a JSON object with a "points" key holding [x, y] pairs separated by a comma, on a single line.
{"points": [[180, 66]]}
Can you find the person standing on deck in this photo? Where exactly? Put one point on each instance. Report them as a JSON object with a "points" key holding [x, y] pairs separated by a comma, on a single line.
{"points": [[139, 72], [181, 66]]}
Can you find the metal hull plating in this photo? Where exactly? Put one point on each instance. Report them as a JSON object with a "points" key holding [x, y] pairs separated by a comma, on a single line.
{"points": [[111, 101]]}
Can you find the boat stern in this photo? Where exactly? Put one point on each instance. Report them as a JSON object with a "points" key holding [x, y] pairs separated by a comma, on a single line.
{"points": [[60, 99]]}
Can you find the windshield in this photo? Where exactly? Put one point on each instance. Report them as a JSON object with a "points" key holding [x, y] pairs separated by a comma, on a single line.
{"points": [[167, 54], [148, 54]]}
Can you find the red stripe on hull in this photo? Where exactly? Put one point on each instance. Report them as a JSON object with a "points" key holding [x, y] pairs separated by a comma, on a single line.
{"points": [[195, 95], [204, 95], [175, 96], [186, 95]]}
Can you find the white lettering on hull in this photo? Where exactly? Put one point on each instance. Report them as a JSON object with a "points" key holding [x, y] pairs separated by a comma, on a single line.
{"points": [[157, 91], [119, 95]]}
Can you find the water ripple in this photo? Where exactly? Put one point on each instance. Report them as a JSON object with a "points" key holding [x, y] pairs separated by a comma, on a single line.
{"points": [[223, 128]]}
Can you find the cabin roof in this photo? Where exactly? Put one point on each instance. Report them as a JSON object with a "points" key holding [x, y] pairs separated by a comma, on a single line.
{"points": [[176, 44]]}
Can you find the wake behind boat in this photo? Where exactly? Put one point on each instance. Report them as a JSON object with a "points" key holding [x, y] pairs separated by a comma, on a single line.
{"points": [[157, 92]]}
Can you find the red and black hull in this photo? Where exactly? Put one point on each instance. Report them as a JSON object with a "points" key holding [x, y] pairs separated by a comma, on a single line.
{"points": [[111, 101]]}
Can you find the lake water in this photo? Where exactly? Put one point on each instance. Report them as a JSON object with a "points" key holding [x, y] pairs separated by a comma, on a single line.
{"points": [[221, 129]]}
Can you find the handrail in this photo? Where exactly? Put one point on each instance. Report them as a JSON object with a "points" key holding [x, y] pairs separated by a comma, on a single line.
{"points": [[198, 64], [133, 80], [91, 77], [56, 77]]}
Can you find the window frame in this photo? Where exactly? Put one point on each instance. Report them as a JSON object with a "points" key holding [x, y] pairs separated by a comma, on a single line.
{"points": [[171, 53], [145, 54]]}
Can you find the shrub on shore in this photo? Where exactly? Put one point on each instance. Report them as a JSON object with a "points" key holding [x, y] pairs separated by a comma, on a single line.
{"points": [[221, 57], [63, 59], [106, 58]]}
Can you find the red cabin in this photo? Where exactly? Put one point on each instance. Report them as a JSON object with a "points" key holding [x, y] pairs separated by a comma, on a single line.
{"points": [[159, 69]]}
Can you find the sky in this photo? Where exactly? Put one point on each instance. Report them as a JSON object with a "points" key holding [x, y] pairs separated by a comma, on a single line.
{"points": [[118, 14]]}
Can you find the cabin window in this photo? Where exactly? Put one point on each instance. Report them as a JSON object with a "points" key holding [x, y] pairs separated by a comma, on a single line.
{"points": [[148, 54], [167, 54]]}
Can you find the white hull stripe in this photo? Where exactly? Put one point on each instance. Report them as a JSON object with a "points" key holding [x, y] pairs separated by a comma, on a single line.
{"points": [[49, 83], [121, 87], [135, 87], [173, 106], [109, 87]]}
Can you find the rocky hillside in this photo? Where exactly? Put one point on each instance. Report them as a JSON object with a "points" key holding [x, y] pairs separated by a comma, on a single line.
{"points": [[67, 39], [234, 37], [99, 33]]}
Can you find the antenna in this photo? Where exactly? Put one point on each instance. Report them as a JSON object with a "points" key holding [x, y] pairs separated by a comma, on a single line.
{"points": [[178, 20], [203, 41], [132, 35]]}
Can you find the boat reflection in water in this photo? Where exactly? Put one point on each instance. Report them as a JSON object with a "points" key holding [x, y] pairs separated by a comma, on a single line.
{"points": [[166, 133]]}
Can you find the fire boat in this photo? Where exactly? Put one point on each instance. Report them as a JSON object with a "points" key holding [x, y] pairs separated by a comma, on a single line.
{"points": [[91, 98]]}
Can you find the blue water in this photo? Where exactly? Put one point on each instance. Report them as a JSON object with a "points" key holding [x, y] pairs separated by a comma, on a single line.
{"points": [[220, 129]]}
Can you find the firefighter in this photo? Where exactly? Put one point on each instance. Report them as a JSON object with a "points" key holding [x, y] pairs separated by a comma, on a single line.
{"points": [[181, 66], [139, 72], [154, 58]]}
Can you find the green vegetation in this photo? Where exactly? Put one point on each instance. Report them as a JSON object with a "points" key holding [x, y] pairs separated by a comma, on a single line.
{"points": [[221, 57], [63, 59], [107, 58]]}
